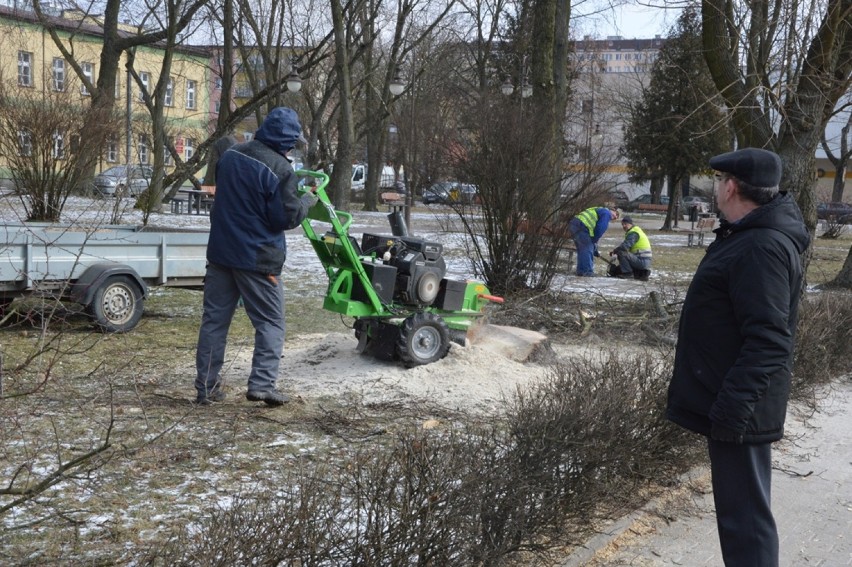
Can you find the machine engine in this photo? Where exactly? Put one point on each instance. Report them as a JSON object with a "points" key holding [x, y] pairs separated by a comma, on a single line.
{"points": [[419, 266]]}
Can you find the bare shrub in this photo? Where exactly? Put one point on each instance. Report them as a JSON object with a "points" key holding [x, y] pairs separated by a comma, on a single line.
{"points": [[597, 428], [823, 342], [518, 222], [834, 229], [48, 151], [577, 447]]}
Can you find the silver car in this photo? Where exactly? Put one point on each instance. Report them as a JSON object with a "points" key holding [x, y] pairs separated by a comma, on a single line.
{"points": [[123, 180]]}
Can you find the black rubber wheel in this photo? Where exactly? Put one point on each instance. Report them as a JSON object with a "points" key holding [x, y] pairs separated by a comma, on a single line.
{"points": [[117, 305], [423, 338]]}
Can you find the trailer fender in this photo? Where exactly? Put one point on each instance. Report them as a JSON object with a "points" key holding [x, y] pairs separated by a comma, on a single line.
{"points": [[83, 290]]}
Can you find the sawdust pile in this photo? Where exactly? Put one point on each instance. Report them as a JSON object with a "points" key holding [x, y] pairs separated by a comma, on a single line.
{"points": [[473, 379]]}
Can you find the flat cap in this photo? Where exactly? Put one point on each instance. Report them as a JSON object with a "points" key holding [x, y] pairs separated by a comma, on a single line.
{"points": [[755, 166], [627, 219]]}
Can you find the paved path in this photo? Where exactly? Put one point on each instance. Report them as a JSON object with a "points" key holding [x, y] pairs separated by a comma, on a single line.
{"points": [[811, 499]]}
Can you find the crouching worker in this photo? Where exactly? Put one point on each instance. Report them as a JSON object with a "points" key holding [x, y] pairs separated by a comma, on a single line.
{"points": [[634, 254]]}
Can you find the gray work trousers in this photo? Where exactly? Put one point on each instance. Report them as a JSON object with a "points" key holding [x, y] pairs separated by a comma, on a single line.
{"points": [[264, 305], [629, 261]]}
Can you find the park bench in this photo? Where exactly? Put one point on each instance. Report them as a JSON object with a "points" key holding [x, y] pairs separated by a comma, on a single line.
{"points": [[395, 201], [695, 234], [653, 208]]}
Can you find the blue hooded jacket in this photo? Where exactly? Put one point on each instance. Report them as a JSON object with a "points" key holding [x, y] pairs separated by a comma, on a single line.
{"points": [[256, 198]]}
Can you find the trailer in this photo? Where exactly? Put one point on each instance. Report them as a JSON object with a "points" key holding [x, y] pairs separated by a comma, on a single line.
{"points": [[106, 269]]}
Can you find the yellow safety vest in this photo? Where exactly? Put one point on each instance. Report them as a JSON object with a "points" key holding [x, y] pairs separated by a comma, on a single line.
{"points": [[589, 218], [643, 244]]}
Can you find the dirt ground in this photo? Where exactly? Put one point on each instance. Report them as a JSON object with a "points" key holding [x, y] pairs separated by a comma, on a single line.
{"points": [[476, 378]]}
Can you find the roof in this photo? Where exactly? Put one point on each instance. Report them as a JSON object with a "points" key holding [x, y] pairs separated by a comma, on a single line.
{"points": [[80, 23]]}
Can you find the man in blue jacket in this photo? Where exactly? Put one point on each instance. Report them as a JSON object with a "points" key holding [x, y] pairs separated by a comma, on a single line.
{"points": [[587, 228], [734, 353], [256, 201]]}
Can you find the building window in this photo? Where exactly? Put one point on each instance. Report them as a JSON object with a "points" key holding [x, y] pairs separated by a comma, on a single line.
{"points": [[188, 148], [143, 149], [218, 106], [145, 79], [58, 74], [112, 148], [218, 84], [58, 145], [190, 94], [25, 143], [25, 69], [89, 73], [170, 92]]}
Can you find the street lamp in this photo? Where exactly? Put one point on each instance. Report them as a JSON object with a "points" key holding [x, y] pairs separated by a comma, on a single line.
{"points": [[397, 85], [507, 88], [294, 81]]}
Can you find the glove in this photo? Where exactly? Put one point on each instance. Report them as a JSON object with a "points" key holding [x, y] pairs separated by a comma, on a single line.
{"points": [[725, 435]]}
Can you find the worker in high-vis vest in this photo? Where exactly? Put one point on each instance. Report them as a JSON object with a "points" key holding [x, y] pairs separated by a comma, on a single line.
{"points": [[634, 254], [586, 229]]}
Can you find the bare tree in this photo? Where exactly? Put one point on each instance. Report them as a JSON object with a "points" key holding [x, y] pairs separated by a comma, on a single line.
{"points": [[840, 161], [781, 67]]}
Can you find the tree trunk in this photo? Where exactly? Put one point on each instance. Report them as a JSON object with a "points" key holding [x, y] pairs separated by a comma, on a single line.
{"points": [[844, 278], [341, 177], [227, 74]]}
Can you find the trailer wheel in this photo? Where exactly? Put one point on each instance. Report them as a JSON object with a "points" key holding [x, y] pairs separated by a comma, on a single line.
{"points": [[423, 338], [117, 305]]}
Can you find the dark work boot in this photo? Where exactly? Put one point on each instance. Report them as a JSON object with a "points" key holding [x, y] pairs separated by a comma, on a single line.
{"points": [[214, 395], [269, 397], [642, 275]]}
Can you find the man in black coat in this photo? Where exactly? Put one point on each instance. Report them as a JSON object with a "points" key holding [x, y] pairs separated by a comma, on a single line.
{"points": [[734, 353]]}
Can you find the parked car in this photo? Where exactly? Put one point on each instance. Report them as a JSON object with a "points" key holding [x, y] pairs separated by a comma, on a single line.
{"points": [[123, 180], [468, 193], [839, 212], [618, 198], [438, 192], [695, 201]]}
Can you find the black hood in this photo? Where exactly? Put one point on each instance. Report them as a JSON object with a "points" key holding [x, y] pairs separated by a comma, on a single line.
{"points": [[781, 214]]}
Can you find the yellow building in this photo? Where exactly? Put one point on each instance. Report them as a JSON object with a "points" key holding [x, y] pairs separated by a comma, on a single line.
{"points": [[32, 65]]}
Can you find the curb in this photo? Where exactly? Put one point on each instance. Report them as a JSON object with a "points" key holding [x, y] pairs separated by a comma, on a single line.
{"points": [[588, 550]]}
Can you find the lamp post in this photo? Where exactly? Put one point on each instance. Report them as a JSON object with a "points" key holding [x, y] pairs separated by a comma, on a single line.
{"points": [[507, 88], [396, 88], [294, 81]]}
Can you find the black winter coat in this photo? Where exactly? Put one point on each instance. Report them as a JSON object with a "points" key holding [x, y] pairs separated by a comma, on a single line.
{"points": [[737, 329]]}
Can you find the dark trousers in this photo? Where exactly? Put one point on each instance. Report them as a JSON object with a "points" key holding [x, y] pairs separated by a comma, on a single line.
{"points": [[742, 477], [264, 304]]}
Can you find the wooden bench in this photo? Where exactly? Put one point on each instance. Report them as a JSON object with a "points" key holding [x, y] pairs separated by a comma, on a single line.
{"points": [[179, 205], [653, 208], [699, 229], [395, 201]]}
